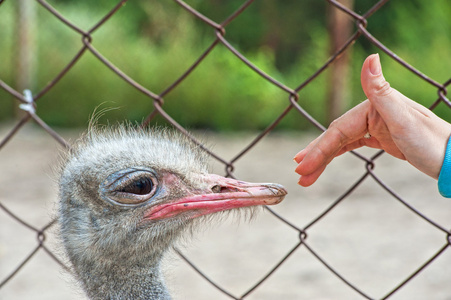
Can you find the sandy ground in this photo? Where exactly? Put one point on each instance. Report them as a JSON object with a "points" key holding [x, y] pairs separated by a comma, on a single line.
{"points": [[370, 238]]}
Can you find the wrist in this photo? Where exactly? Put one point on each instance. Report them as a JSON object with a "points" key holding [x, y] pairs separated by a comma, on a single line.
{"points": [[444, 178]]}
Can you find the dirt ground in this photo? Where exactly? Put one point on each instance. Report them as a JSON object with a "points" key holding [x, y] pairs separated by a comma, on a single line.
{"points": [[370, 238]]}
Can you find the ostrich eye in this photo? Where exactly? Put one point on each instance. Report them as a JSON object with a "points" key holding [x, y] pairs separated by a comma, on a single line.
{"points": [[141, 186], [130, 187]]}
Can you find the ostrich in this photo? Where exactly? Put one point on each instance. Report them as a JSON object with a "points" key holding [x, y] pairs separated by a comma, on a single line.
{"points": [[126, 195]]}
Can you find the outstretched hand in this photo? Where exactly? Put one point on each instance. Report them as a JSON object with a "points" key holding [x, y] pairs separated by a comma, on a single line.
{"points": [[396, 124]]}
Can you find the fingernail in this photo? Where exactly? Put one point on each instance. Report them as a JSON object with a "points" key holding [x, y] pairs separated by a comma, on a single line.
{"points": [[295, 158], [375, 65], [296, 170]]}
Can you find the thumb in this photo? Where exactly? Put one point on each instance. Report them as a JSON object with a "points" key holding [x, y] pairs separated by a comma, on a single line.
{"points": [[377, 89]]}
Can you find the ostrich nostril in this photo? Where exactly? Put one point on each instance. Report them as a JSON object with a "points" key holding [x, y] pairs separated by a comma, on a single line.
{"points": [[216, 189]]}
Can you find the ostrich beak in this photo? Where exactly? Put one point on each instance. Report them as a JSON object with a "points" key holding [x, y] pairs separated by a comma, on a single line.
{"points": [[219, 194]]}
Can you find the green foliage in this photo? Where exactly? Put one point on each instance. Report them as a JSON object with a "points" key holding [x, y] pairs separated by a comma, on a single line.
{"points": [[154, 42], [420, 35]]}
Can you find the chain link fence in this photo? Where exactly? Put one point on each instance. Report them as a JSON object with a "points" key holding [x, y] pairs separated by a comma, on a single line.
{"points": [[28, 103]]}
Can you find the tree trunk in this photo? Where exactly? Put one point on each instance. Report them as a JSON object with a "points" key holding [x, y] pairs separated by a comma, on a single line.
{"points": [[340, 29]]}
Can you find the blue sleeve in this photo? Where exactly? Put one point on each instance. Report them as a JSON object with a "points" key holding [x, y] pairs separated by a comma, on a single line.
{"points": [[444, 179]]}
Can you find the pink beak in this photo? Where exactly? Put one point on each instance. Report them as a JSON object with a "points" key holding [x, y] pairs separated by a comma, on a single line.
{"points": [[220, 194]]}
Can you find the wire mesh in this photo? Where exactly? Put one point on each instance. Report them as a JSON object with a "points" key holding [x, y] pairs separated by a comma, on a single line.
{"points": [[292, 94]]}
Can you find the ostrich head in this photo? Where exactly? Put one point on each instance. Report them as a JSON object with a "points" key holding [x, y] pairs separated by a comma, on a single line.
{"points": [[126, 196]]}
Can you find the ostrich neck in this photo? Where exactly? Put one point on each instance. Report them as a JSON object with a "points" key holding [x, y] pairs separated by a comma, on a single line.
{"points": [[138, 282]]}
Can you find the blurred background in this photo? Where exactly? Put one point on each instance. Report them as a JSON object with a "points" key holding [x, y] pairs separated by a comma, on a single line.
{"points": [[154, 42], [370, 237]]}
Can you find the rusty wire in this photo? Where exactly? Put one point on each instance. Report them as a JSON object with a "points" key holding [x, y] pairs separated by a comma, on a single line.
{"points": [[292, 94]]}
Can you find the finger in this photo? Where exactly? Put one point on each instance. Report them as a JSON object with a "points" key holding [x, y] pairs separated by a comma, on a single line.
{"points": [[321, 153], [315, 156], [381, 94], [301, 154], [388, 102], [343, 131], [371, 142], [308, 180]]}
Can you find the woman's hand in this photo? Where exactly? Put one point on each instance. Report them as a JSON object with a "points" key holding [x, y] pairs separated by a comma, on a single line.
{"points": [[396, 124]]}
